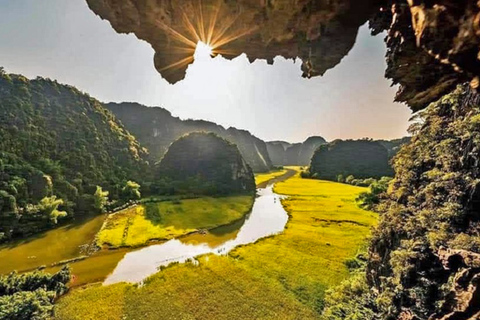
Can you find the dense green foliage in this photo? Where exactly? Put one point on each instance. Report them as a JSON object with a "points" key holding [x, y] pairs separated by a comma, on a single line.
{"points": [[203, 163], [433, 202], [369, 199], [393, 146], [360, 158], [57, 146], [156, 129], [30, 296]]}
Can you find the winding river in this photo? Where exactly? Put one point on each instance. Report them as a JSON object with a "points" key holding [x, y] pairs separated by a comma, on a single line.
{"points": [[267, 217]]}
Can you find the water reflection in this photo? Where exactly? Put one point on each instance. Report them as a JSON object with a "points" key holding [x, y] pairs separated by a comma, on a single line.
{"points": [[267, 218]]}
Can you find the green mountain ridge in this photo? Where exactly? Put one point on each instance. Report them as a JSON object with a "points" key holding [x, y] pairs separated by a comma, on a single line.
{"points": [[156, 128], [203, 163], [360, 158], [57, 142]]}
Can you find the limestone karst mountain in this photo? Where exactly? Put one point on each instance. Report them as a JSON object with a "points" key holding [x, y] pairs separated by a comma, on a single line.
{"points": [[204, 163], [297, 154], [360, 158], [57, 142], [156, 128]]}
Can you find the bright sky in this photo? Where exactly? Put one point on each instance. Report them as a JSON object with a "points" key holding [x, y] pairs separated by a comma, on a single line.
{"points": [[64, 40]]}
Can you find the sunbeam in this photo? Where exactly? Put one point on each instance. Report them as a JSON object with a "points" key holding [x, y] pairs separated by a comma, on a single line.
{"points": [[201, 35]]}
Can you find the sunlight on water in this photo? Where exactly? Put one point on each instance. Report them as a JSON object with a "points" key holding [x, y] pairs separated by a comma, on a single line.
{"points": [[268, 217]]}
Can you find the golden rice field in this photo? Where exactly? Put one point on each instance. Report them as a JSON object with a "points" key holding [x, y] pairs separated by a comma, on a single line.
{"points": [[280, 277], [264, 177], [166, 220]]}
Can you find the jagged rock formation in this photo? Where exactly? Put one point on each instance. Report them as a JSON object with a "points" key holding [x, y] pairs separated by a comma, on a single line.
{"points": [[276, 151], [433, 203], [360, 158], [463, 300], [156, 129], [204, 163], [320, 33], [57, 141], [432, 45], [297, 154]]}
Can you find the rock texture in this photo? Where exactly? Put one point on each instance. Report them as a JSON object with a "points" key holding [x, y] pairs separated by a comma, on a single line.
{"points": [[463, 299], [156, 129], [433, 45], [432, 204], [204, 163], [297, 154], [320, 32]]}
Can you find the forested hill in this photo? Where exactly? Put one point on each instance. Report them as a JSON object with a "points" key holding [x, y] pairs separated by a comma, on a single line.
{"points": [[156, 129], [203, 163], [57, 142], [360, 158]]}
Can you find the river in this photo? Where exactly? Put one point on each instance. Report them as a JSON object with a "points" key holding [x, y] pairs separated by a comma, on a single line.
{"points": [[267, 217]]}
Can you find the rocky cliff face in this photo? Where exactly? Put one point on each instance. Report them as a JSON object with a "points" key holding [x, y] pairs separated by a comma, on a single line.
{"points": [[204, 163], [321, 32], [156, 129], [276, 151], [297, 154], [432, 45], [424, 254]]}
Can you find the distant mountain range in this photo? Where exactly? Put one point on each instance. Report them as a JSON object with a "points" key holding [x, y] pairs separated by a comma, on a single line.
{"points": [[156, 129], [284, 153]]}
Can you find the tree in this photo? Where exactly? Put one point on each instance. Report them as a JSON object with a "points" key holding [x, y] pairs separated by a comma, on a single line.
{"points": [[372, 197], [49, 207], [8, 202], [30, 296], [350, 179], [131, 191], [100, 199]]}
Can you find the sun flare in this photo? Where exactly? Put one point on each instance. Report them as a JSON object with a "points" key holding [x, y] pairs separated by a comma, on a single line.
{"points": [[203, 50]]}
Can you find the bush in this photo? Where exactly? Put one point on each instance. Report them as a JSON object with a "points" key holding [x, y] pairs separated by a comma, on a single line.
{"points": [[30, 296]]}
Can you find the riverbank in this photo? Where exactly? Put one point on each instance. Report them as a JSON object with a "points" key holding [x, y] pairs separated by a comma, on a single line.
{"points": [[283, 276], [262, 179], [161, 221]]}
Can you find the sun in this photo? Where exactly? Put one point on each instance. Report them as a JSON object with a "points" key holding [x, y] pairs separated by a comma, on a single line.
{"points": [[203, 51]]}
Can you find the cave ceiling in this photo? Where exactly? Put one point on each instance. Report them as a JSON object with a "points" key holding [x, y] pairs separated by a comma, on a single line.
{"points": [[431, 45]]}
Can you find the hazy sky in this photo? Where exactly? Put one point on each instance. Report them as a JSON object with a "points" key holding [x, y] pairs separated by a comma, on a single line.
{"points": [[64, 40]]}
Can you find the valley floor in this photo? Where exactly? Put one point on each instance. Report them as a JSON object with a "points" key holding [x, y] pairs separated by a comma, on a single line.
{"points": [[137, 226], [264, 178], [280, 277]]}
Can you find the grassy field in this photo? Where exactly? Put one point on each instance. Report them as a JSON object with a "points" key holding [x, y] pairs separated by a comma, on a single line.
{"points": [[263, 177], [169, 219], [280, 277]]}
